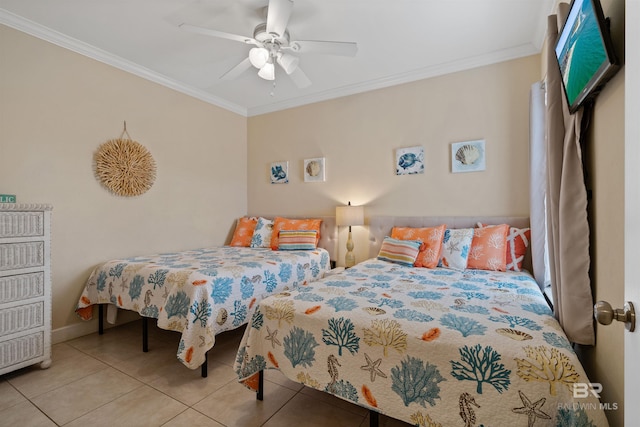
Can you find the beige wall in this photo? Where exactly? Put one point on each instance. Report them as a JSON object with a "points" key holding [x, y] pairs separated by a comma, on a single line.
{"points": [[358, 136], [57, 107], [605, 157]]}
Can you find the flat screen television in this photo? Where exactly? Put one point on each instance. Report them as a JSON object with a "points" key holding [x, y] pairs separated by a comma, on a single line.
{"points": [[584, 52]]}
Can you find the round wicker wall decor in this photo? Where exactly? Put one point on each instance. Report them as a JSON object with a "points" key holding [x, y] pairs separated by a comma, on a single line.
{"points": [[125, 167]]}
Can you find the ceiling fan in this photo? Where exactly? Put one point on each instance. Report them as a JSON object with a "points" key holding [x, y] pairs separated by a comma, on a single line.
{"points": [[274, 46]]}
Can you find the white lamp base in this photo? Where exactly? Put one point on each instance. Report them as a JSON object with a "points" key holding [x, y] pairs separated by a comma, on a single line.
{"points": [[350, 258]]}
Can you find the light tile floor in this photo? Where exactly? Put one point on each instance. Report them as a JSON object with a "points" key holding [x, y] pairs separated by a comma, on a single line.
{"points": [[106, 380]]}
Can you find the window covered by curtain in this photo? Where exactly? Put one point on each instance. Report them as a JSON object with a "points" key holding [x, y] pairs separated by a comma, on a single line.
{"points": [[564, 202]]}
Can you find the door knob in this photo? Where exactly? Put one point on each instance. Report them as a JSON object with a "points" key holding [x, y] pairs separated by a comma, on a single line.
{"points": [[605, 314]]}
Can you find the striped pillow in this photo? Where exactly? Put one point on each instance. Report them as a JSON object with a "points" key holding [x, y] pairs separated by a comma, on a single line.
{"points": [[292, 240], [402, 252]]}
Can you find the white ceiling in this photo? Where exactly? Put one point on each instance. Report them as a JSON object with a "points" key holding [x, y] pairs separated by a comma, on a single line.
{"points": [[398, 41]]}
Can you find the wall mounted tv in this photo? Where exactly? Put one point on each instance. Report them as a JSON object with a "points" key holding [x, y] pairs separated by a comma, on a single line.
{"points": [[585, 52]]}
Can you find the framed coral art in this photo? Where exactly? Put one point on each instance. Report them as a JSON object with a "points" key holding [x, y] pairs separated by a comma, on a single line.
{"points": [[409, 160], [468, 156], [279, 172], [314, 170]]}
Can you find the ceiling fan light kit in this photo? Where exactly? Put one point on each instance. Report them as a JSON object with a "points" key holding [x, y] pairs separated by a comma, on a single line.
{"points": [[258, 57], [288, 62], [268, 71], [272, 45]]}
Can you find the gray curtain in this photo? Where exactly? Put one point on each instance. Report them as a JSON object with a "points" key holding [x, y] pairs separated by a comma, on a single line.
{"points": [[568, 227]]}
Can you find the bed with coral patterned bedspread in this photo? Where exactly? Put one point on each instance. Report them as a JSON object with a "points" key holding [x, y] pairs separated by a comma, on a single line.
{"points": [[203, 292], [428, 346]]}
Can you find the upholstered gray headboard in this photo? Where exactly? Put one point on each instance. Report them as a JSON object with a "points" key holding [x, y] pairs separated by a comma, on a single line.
{"points": [[328, 232], [329, 236], [380, 226]]}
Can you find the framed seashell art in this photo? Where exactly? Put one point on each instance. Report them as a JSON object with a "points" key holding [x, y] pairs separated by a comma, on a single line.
{"points": [[468, 156], [314, 170]]}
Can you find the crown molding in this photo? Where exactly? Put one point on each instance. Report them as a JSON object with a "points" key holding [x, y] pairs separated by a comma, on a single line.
{"points": [[26, 26], [397, 79], [85, 49], [550, 7]]}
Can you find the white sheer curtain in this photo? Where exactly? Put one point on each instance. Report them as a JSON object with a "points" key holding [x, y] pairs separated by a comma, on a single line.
{"points": [[538, 185]]}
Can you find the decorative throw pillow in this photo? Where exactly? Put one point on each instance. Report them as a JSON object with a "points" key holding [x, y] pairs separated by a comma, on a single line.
{"points": [[402, 252], [293, 224], [262, 233], [455, 248], [291, 240], [243, 232], [431, 238], [518, 241], [489, 248]]}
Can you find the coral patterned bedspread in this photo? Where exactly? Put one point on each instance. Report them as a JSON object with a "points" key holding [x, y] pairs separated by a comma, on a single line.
{"points": [[430, 347], [202, 292]]}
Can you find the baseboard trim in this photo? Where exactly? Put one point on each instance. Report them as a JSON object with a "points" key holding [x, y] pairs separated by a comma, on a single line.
{"points": [[83, 328]]}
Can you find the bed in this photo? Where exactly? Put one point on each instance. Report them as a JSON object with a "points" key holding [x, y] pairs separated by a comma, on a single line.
{"points": [[203, 292], [428, 346]]}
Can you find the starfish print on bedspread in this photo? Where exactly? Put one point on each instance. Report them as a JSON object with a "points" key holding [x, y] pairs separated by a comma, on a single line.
{"points": [[271, 336], [373, 367], [532, 410]]}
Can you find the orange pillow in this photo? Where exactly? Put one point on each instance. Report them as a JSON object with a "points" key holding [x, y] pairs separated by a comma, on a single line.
{"points": [[244, 232], [293, 224], [517, 243], [431, 238], [488, 248]]}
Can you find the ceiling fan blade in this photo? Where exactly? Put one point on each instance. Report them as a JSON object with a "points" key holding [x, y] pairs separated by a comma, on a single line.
{"points": [[299, 78], [278, 14], [237, 70], [220, 34], [324, 47]]}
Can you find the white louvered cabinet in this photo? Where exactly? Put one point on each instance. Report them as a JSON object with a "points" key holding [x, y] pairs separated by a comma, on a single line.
{"points": [[25, 286]]}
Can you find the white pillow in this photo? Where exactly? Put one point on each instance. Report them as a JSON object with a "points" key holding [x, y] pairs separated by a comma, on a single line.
{"points": [[455, 248], [262, 233]]}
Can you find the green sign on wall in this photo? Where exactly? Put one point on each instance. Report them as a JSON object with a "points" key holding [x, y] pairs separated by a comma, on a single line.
{"points": [[7, 198]]}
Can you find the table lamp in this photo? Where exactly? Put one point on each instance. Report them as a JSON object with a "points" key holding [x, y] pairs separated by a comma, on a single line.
{"points": [[348, 216]]}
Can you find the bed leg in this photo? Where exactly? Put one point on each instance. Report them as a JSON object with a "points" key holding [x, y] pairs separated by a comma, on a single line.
{"points": [[203, 367], [260, 394], [145, 335], [100, 319], [373, 418]]}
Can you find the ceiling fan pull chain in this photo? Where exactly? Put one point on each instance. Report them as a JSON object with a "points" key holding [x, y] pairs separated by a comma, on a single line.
{"points": [[273, 91]]}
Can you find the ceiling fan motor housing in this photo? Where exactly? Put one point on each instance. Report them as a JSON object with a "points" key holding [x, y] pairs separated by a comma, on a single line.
{"points": [[260, 34]]}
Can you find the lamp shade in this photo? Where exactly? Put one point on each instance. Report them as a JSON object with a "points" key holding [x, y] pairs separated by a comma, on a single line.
{"points": [[349, 215]]}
